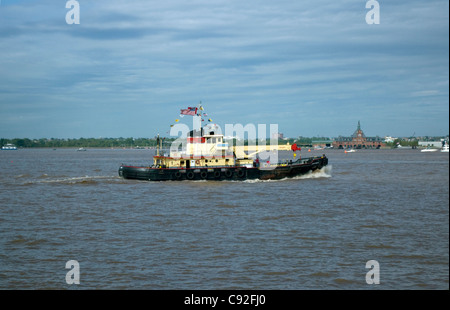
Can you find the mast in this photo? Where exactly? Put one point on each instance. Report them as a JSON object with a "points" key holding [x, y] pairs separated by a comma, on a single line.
{"points": [[197, 120], [157, 145]]}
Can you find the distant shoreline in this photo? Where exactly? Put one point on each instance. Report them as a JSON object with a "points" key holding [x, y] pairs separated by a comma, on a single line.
{"points": [[146, 143]]}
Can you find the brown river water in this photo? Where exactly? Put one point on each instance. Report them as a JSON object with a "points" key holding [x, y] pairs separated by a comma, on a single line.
{"points": [[313, 232]]}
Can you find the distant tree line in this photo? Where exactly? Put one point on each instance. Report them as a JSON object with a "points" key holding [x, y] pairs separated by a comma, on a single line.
{"points": [[82, 142], [116, 142], [403, 143]]}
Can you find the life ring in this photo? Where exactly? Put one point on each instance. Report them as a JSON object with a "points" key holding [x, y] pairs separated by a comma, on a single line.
{"points": [[241, 173], [228, 173], [190, 175], [217, 174], [178, 174], [203, 174], [197, 162]]}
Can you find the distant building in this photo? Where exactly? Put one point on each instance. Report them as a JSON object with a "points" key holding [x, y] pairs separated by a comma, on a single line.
{"points": [[278, 135], [389, 139], [358, 141]]}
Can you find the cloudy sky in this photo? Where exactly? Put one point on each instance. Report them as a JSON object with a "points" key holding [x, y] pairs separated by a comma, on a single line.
{"points": [[314, 67]]}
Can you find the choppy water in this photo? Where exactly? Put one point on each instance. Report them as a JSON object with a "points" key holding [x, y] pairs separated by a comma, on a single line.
{"points": [[313, 232]]}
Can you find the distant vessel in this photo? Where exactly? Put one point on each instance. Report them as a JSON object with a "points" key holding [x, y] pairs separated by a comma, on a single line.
{"points": [[428, 149], [444, 147], [9, 147], [207, 157], [350, 151], [400, 147], [81, 149]]}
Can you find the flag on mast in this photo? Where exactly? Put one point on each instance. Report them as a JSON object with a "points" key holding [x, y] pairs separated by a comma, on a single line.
{"points": [[189, 111]]}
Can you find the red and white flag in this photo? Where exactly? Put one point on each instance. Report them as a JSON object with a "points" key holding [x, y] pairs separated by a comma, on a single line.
{"points": [[189, 111]]}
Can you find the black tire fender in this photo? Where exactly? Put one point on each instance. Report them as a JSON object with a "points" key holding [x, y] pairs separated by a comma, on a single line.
{"points": [[241, 173]]}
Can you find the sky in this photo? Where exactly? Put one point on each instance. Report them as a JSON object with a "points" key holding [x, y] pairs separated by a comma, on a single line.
{"points": [[314, 67]]}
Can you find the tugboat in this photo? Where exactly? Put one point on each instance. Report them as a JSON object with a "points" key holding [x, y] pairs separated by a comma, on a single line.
{"points": [[207, 157]]}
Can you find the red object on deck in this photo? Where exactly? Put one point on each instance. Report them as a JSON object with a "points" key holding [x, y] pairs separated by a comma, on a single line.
{"points": [[196, 140], [294, 147]]}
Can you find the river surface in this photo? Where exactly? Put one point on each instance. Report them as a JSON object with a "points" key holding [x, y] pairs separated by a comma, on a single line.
{"points": [[312, 232]]}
